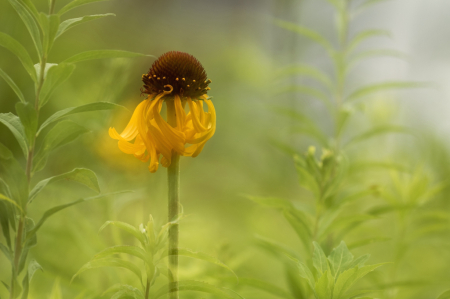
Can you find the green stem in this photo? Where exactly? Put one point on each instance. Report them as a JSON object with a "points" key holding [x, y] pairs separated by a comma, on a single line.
{"points": [[52, 7], [174, 203], [147, 289]]}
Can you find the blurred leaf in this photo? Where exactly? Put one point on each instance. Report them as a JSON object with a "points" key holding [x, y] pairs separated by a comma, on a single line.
{"points": [[324, 286], [74, 4], [123, 290], [266, 287], [304, 272], [61, 134], [376, 131], [192, 285], [49, 25], [6, 252], [132, 250], [7, 213], [96, 106], [16, 48], [375, 53], [361, 7], [70, 23], [13, 85], [370, 89], [7, 199], [204, 257], [31, 8], [308, 33], [30, 23], [298, 287], [56, 209], [126, 227], [349, 277], [13, 176], [275, 247], [81, 175], [56, 76], [346, 224], [363, 35], [320, 261], [368, 241], [445, 295], [339, 259], [101, 54], [33, 266], [301, 224], [308, 71], [12, 122], [271, 202], [56, 290], [353, 294], [28, 118], [359, 262], [109, 262]]}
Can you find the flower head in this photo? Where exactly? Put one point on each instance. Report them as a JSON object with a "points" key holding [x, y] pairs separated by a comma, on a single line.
{"points": [[177, 79]]}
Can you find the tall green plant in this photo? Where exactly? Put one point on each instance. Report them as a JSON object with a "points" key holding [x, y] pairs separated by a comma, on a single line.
{"points": [[17, 189]]}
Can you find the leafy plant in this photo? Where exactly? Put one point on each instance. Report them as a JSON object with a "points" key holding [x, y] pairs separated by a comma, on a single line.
{"points": [[17, 190], [151, 253]]}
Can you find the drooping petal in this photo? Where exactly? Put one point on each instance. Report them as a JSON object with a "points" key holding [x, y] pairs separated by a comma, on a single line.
{"points": [[175, 137], [130, 131], [195, 117]]}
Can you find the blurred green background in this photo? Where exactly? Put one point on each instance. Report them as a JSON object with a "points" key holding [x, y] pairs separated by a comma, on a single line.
{"points": [[242, 51]]}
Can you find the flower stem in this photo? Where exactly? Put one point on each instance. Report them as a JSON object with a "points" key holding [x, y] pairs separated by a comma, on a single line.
{"points": [[174, 203]]}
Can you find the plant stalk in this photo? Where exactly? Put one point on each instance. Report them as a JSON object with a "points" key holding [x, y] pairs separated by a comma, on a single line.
{"points": [[173, 206]]}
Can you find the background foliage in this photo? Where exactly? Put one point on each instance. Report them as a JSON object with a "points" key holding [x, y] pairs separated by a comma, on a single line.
{"points": [[263, 60]]}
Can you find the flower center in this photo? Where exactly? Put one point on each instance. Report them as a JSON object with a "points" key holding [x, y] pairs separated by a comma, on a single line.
{"points": [[182, 71]]}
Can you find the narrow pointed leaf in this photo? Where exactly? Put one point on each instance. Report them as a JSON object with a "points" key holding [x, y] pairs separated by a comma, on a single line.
{"points": [[324, 286], [347, 278], [13, 85], [101, 54], [96, 106], [76, 3], [359, 262], [12, 122], [127, 249], [12, 177], [340, 258], [16, 48], [266, 287], [445, 295], [390, 85], [70, 23], [81, 175], [56, 76], [126, 227], [377, 131], [362, 36], [110, 262], [28, 118], [320, 261], [304, 272]]}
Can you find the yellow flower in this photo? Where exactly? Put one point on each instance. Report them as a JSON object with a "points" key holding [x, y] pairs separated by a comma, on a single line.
{"points": [[177, 79]]}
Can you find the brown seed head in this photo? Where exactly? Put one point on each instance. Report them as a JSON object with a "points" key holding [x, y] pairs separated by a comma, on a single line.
{"points": [[171, 66]]}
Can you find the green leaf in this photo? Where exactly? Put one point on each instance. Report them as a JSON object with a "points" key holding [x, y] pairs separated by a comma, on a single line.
{"points": [[377, 131], [359, 262], [304, 272], [301, 224], [56, 209], [324, 286], [12, 122], [126, 227], [361, 7], [28, 118], [81, 175], [308, 71], [123, 290], [13, 85], [70, 23], [271, 202], [56, 76], [266, 287], [275, 247], [340, 258], [74, 4], [192, 285], [307, 90], [49, 25], [7, 199], [370, 89], [320, 261], [204, 257], [445, 295], [109, 262], [6, 252], [132, 250], [363, 35], [61, 134], [16, 48], [31, 8], [101, 54], [349, 277], [308, 33], [368, 241], [30, 23], [7, 212], [13, 177], [33, 266], [56, 290], [96, 106], [375, 53]]}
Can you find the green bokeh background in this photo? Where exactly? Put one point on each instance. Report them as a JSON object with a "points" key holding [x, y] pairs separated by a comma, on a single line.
{"points": [[241, 51]]}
